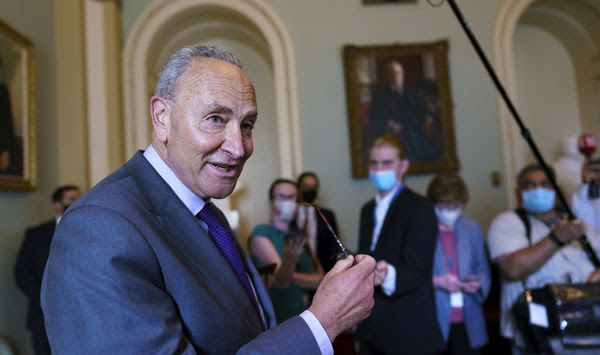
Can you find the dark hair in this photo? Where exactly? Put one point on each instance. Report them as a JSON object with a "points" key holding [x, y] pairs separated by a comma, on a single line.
{"points": [[448, 187], [58, 194], [305, 175], [277, 182], [531, 168], [390, 140]]}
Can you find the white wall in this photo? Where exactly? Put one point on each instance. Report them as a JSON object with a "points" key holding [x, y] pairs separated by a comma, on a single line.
{"points": [[547, 88], [319, 30], [18, 209]]}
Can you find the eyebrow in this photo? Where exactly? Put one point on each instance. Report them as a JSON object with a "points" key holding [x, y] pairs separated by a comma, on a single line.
{"points": [[214, 107], [218, 108]]}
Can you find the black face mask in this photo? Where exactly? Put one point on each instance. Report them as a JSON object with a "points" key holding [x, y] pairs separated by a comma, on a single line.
{"points": [[594, 189], [309, 196]]}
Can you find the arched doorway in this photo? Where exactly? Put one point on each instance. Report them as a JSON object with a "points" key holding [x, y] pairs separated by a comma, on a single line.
{"points": [[569, 31]]}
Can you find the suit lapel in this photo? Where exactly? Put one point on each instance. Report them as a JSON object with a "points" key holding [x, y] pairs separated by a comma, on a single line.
{"points": [[367, 228], [463, 252], [190, 239], [394, 216], [439, 263], [262, 293]]}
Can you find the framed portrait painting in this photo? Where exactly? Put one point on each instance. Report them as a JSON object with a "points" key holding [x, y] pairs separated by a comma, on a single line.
{"points": [[17, 111], [402, 90]]}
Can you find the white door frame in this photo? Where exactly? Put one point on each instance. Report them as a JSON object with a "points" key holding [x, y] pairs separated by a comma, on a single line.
{"points": [[512, 145]]}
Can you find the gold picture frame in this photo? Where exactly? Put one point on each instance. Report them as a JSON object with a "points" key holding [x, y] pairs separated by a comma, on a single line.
{"points": [[403, 90], [17, 111]]}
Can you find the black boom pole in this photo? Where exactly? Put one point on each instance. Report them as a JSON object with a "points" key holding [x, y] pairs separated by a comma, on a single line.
{"points": [[524, 131]]}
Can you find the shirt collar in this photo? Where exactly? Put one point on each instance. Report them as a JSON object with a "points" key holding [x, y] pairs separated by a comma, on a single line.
{"points": [[191, 201], [390, 196]]}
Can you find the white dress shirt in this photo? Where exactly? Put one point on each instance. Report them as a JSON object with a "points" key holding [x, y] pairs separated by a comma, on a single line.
{"points": [[382, 205], [195, 204]]}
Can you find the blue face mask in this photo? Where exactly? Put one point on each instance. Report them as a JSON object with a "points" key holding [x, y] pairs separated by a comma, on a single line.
{"points": [[383, 181], [538, 200]]}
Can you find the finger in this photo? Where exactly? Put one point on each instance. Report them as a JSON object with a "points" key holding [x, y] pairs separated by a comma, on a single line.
{"points": [[360, 257], [364, 269], [342, 264], [380, 267]]}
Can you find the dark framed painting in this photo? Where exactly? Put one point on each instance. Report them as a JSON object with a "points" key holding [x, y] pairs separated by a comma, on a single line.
{"points": [[403, 90], [17, 111]]}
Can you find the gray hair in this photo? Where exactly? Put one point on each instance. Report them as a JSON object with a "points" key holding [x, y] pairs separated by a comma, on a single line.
{"points": [[179, 62]]}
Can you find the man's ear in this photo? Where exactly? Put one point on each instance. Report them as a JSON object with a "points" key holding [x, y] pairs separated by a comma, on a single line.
{"points": [[160, 110], [404, 165]]}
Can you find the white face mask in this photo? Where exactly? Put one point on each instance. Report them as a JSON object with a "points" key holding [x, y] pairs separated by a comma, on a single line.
{"points": [[447, 216], [287, 210]]}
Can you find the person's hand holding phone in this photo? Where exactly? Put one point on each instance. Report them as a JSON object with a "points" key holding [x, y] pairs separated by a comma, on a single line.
{"points": [[447, 282], [471, 284]]}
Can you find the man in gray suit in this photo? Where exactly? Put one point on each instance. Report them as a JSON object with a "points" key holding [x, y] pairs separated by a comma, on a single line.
{"points": [[144, 263]]}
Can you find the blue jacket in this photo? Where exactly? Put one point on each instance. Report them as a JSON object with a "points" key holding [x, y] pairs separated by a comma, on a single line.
{"points": [[472, 260], [131, 271]]}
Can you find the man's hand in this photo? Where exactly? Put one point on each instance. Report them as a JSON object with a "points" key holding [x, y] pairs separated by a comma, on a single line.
{"points": [[345, 296], [567, 231], [594, 276], [448, 282], [381, 269]]}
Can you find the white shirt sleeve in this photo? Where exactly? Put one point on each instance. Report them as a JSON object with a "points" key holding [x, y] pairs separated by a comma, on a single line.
{"points": [[388, 286], [507, 234], [318, 332]]}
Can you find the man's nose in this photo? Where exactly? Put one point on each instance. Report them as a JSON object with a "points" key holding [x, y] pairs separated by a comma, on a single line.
{"points": [[378, 167], [234, 143]]}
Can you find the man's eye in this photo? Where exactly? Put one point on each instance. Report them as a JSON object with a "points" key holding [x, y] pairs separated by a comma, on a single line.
{"points": [[247, 126], [215, 119]]}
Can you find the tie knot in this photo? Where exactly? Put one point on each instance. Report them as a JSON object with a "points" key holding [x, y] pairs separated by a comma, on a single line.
{"points": [[209, 215]]}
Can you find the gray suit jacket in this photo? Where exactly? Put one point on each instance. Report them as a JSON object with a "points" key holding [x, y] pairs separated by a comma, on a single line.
{"points": [[131, 271], [472, 260]]}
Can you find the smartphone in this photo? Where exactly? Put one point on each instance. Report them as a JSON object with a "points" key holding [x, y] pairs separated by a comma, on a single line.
{"points": [[294, 232], [472, 278]]}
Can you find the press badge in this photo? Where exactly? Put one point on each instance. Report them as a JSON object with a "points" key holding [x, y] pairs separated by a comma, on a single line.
{"points": [[538, 315], [456, 300]]}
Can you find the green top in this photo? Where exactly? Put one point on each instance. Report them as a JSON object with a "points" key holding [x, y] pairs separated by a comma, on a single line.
{"points": [[287, 302]]}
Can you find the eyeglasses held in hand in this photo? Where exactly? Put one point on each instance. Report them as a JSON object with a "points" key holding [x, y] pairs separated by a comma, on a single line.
{"points": [[343, 253]]}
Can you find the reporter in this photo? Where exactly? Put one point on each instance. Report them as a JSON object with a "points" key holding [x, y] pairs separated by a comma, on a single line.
{"points": [[461, 273], [280, 242], [534, 246]]}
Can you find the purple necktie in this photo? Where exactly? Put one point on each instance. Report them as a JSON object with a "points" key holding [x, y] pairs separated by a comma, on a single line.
{"points": [[222, 236]]}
